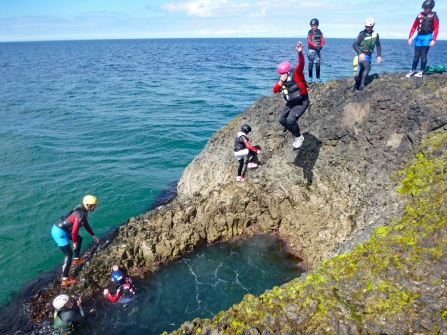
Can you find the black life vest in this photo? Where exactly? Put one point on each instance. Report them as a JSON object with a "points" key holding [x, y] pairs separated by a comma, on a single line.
{"points": [[315, 37], [238, 143], [61, 223], [291, 89], [426, 25]]}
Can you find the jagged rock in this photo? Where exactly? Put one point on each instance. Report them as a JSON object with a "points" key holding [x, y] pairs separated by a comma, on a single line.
{"points": [[323, 199]]}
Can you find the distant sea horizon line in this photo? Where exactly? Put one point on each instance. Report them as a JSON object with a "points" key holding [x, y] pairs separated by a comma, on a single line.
{"points": [[188, 38]]}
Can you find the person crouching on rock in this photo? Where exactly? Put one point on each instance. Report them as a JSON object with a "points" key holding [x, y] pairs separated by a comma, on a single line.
{"points": [[293, 85], [66, 314], [125, 286], [242, 148]]}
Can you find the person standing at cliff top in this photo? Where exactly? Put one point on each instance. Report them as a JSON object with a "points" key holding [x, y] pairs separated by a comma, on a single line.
{"points": [[427, 24], [315, 42], [242, 148], [364, 46], [293, 85], [66, 229]]}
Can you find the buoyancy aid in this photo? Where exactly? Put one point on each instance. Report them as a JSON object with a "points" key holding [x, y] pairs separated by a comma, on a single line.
{"points": [[291, 89], [62, 223], [369, 42], [62, 327], [238, 143], [315, 37], [426, 25]]}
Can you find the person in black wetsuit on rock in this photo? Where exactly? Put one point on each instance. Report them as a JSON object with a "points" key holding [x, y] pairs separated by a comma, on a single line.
{"points": [[364, 45], [242, 148], [315, 42], [66, 314], [427, 24], [66, 229]]}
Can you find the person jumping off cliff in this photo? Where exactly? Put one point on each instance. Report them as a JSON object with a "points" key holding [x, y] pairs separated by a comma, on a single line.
{"points": [[293, 85], [427, 24], [125, 287], [242, 148], [364, 45], [315, 42], [66, 229]]}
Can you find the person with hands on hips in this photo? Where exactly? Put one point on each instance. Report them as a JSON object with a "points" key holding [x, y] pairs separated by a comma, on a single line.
{"points": [[66, 229], [294, 88], [364, 45]]}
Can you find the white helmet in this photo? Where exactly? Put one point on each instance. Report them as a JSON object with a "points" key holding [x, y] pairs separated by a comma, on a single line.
{"points": [[369, 22], [60, 301]]}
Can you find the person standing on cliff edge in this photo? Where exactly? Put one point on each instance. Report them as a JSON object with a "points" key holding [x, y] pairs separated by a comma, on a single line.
{"points": [[315, 42], [242, 148], [427, 24], [66, 229], [364, 45], [293, 85]]}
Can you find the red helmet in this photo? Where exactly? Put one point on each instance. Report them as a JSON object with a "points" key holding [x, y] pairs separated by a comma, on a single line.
{"points": [[284, 67]]}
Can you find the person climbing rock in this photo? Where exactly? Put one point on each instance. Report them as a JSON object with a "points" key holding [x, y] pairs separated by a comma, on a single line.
{"points": [[294, 88], [242, 148], [315, 42], [427, 25], [364, 45], [66, 314], [125, 286], [67, 228]]}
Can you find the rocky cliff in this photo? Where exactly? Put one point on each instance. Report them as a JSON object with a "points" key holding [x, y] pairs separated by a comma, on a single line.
{"points": [[324, 199]]}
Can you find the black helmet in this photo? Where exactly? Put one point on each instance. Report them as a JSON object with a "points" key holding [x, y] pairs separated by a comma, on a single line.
{"points": [[246, 128], [314, 21], [428, 4]]}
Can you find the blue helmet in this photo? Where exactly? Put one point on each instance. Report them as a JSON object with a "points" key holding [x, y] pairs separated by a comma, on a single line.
{"points": [[117, 276]]}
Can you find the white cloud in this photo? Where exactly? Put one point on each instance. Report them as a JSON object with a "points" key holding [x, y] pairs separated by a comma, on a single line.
{"points": [[207, 8]]}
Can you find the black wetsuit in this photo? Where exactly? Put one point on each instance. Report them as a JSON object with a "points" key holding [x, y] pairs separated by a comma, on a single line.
{"points": [[365, 43]]}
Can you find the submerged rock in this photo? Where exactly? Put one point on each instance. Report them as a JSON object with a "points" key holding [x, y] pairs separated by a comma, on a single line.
{"points": [[324, 199]]}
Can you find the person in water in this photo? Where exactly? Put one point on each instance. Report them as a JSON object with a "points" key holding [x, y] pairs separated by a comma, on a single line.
{"points": [[364, 45], [315, 42], [66, 314], [66, 229], [125, 286], [242, 148], [293, 85], [427, 25]]}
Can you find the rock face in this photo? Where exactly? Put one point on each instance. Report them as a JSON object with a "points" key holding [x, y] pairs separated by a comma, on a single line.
{"points": [[323, 199]]}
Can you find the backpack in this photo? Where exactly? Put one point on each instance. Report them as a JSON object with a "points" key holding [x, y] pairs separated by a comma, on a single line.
{"points": [[434, 69]]}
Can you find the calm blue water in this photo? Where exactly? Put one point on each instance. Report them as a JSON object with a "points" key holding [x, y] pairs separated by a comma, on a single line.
{"points": [[121, 119], [200, 284]]}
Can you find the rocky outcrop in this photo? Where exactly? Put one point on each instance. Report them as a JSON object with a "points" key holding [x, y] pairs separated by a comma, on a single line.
{"points": [[323, 199]]}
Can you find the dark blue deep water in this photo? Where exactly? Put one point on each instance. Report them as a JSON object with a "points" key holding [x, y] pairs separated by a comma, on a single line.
{"points": [[121, 119], [200, 284]]}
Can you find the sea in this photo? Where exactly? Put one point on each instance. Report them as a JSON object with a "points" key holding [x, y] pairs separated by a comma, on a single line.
{"points": [[121, 119]]}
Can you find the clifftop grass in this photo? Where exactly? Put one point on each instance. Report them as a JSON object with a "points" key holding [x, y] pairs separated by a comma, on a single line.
{"points": [[394, 283]]}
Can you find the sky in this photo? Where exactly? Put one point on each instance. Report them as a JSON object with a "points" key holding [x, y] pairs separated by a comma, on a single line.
{"points": [[43, 20]]}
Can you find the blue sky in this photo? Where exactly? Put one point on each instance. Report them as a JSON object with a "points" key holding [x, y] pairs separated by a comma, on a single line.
{"points": [[37, 20]]}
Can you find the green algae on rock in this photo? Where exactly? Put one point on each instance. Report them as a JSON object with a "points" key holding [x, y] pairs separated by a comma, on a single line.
{"points": [[394, 283]]}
